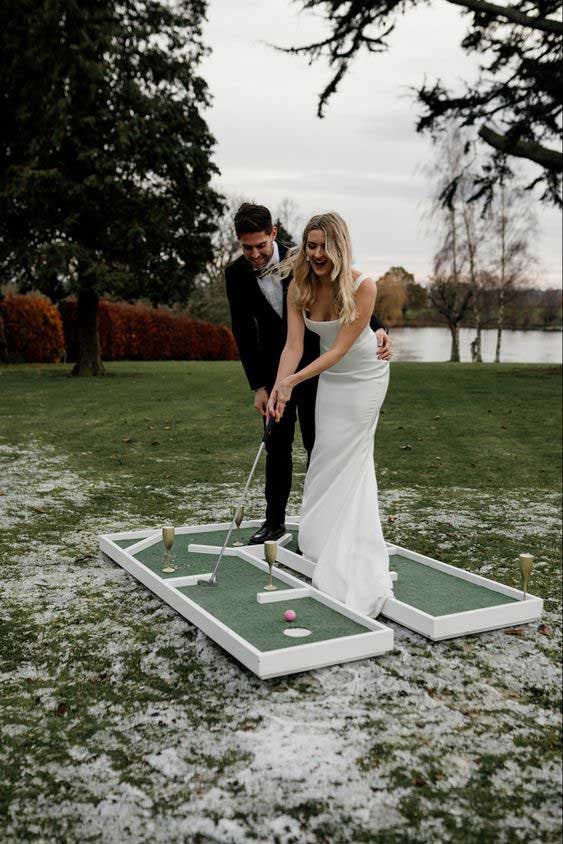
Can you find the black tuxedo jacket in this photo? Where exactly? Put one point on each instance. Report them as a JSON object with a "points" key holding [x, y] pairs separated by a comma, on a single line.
{"points": [[259, 332]]}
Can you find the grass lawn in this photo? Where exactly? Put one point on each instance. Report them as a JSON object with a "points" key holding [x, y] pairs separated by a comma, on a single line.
{"points": [[121, 722]]}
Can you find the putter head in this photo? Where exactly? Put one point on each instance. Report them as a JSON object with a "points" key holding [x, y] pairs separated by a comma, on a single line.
{"points": [[212, 581]]}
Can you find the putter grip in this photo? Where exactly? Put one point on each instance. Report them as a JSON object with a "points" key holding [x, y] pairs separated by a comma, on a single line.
{"points": [[269, 425]]}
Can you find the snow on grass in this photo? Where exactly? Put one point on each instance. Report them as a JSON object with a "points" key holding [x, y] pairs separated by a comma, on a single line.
{"points": [[123, 723]]}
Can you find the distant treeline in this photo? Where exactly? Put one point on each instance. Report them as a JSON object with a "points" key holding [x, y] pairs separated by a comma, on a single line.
{"points": [[401, 301]]}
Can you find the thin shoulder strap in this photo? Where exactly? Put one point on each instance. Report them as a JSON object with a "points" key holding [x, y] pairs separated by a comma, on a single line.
{"points": [[360, 279]]}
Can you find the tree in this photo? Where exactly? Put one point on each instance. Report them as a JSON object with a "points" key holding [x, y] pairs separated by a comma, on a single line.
{"points": [[513, 224], [516, 101], [209, 299], [417, 296], [105, 159], [392, 295], [289, 222], [451, 298]]}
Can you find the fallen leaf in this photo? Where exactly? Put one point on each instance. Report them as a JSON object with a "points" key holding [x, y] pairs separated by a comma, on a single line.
{"points": [[61, 709], [406, 447], [544, 629], [2, 492], [155, 442], [126, 439], [435, 417], [418, 781], [515, 631], [40, 509], [150, 427], [167, 427], [168, 476], [84, 557], [392, 518]]}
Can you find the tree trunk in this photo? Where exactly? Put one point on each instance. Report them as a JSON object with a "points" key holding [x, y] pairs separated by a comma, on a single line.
{"points": [[500, 316], [454, 329], [89, 358], [477, 357], [500, 323], [3, 344]]}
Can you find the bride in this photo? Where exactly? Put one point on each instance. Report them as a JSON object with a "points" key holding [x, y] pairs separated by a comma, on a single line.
{"points": [[339, 528]]}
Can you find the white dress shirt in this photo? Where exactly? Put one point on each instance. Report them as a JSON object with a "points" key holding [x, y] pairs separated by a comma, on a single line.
{"points": [[272, 287]]}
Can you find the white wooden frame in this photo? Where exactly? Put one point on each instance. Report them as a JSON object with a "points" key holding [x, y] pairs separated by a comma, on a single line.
{"points": [[377, 639], [523, 610], [144, 533]]}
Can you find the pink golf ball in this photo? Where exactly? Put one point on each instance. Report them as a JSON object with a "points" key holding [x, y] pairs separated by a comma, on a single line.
{"points": [[290, 615]]}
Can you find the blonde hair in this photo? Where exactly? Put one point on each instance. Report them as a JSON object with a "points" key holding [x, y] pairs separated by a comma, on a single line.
{"points": [[338, 248]]}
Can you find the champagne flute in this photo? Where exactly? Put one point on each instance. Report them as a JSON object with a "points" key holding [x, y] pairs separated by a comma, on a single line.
{"points": [[238, 514], [168, 540], [526, 568], [270, 553]]}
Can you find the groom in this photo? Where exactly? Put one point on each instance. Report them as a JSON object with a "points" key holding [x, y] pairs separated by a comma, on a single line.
{"points": [[259, 322]]}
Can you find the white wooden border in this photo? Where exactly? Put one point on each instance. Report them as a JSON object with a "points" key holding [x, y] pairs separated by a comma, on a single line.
{"points": [[521, 611], [437, 628], [376, 640], [144, 533], [462, 623], [283, 595]]}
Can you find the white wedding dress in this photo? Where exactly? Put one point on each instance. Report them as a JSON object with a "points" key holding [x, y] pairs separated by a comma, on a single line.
{"points": [[339, 527]]}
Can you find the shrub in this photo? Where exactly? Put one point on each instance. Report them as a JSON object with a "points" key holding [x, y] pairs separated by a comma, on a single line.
{"points": [[33, 329], [138, 332]]}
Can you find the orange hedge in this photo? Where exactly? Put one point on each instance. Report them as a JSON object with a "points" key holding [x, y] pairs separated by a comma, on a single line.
{"points": [[33, 329], [138, 332]]}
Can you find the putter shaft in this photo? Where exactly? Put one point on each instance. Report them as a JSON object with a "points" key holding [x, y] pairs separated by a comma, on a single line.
{"points": [[212, 581]]}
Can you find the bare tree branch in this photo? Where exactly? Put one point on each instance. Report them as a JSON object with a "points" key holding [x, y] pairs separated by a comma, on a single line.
{"points": [[513, 15], [548, 158]]}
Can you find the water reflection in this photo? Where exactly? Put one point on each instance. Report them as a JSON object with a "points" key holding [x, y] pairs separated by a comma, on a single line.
{"points": [[434, 344]]}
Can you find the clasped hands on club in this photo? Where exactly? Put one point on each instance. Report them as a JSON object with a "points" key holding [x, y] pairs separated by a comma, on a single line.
{"points": [[281, 392]]}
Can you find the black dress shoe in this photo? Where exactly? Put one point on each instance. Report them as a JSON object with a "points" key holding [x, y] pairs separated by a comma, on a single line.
{"points": [[267, 533]]}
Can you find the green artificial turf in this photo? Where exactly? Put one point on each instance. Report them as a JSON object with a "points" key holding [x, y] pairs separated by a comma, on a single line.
{"points": [[234, 603], [186, 562], [438, 592], [208, 537], [432, 591]]}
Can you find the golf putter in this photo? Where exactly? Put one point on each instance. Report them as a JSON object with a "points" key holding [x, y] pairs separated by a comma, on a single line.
{"points": [[213, 581]]}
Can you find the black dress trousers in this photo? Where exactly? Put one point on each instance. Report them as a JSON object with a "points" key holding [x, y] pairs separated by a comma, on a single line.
{"points": [[279, 443]]}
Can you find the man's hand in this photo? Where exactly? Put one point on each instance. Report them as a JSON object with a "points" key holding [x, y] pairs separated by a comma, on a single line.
{"points": [[261, 400], [384, 344], [279, 397]]}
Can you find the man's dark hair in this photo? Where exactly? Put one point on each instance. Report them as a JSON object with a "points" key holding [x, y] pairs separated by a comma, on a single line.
{"points": [[252, 218]]}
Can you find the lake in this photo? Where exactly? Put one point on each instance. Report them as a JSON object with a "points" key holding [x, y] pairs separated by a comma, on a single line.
{"points": [[434, 344]]}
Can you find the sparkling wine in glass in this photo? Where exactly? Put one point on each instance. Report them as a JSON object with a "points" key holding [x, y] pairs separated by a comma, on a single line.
{"points": [[526, 567], [271, 554], [238, 514], [168, 541]]}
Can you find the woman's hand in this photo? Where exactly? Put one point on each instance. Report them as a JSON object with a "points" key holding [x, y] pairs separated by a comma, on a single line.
{"points": [[280, 395]]}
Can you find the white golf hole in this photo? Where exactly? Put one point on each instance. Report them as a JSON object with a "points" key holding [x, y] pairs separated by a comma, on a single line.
{"points": [[296, 632]]}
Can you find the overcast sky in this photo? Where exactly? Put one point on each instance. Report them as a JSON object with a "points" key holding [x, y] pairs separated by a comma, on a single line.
{"points": [[364, 159]]}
